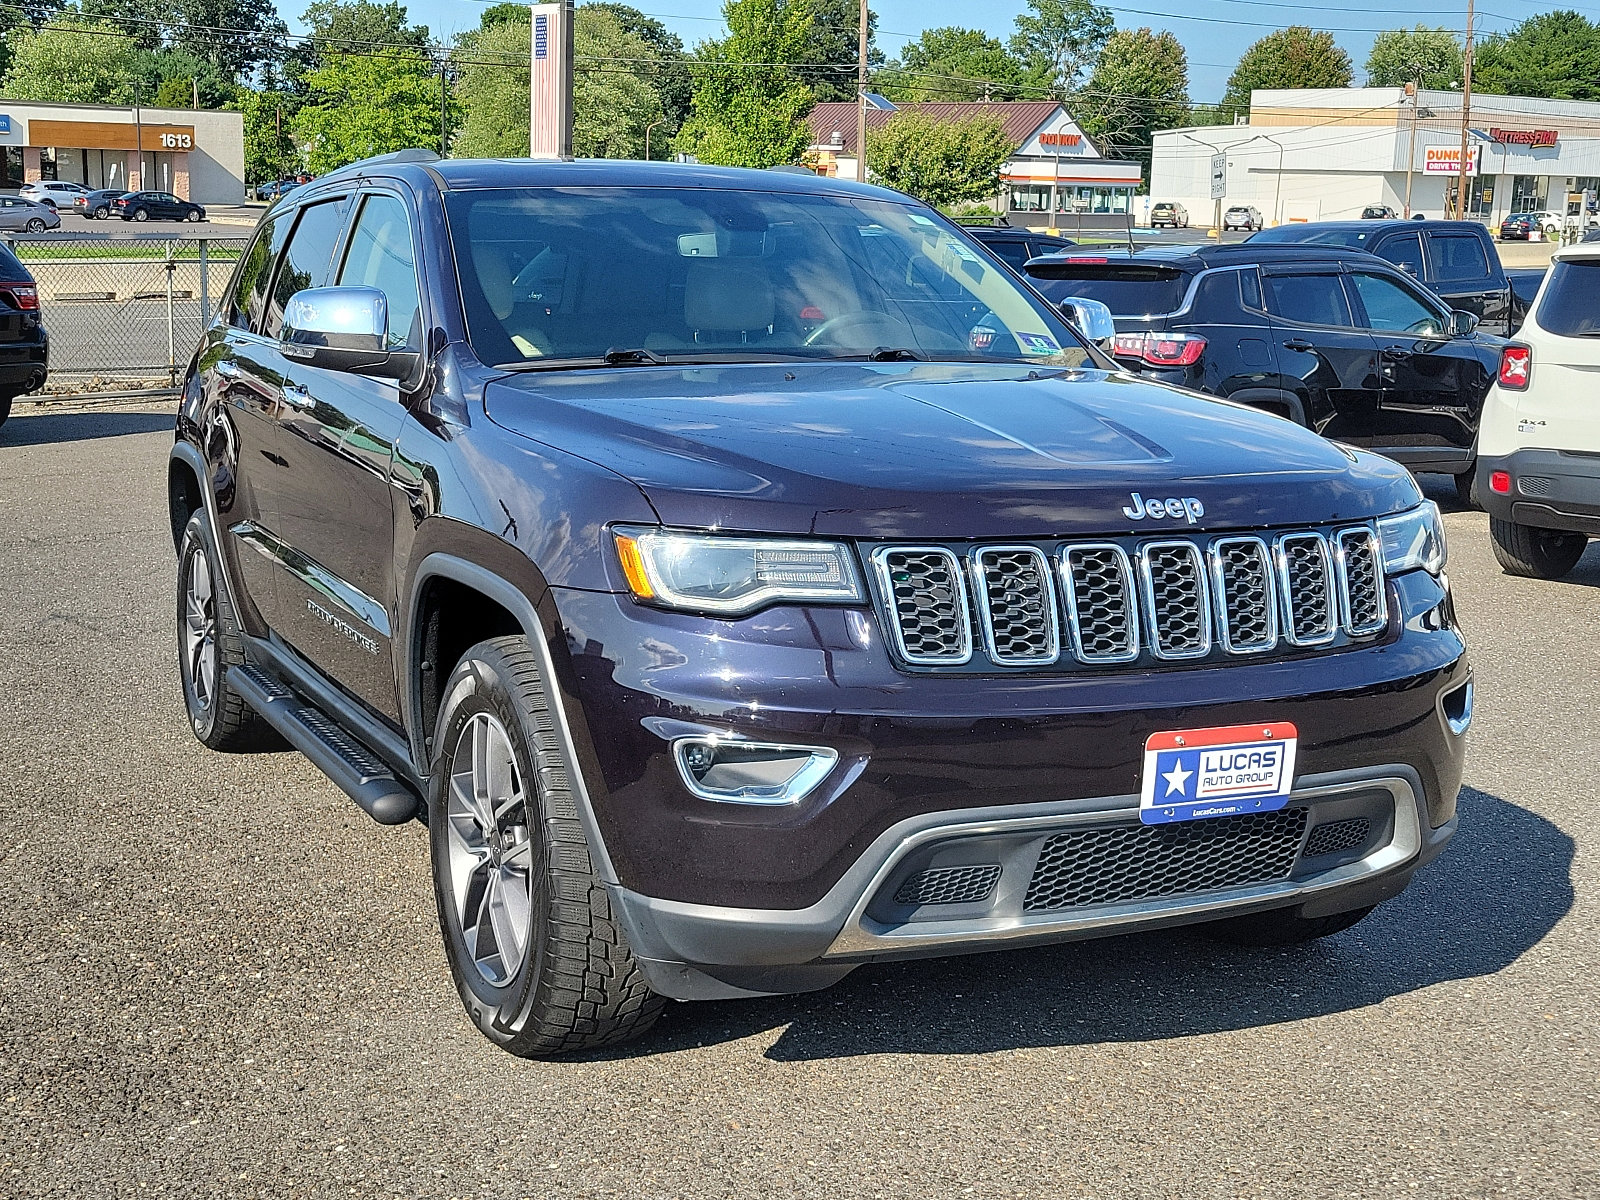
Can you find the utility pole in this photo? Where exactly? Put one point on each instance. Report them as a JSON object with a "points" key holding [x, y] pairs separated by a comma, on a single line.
{"points": [[444, 124], [861, 98], [1411, 149], [1466, 117]]}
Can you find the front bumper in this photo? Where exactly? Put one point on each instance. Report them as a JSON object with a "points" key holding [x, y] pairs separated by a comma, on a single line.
{"points": [[1550, 489]]}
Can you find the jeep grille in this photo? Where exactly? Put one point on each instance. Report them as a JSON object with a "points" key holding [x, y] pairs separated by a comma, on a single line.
{"points": [[1108, 603]]}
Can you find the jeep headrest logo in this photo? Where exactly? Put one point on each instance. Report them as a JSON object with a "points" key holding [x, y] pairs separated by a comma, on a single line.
{"points": [[1173, 506]]}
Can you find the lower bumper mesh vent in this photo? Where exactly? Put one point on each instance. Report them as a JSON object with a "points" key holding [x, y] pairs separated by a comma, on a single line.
{"points": [[1139, 862], [949, 885], [1338, 835]]}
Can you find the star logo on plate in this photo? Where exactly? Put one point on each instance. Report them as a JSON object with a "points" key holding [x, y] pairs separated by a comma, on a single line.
{"points": [[1177, 778]]}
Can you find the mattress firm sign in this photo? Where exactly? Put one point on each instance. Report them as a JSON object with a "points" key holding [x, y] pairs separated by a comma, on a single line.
{"points": [[1446, 160]]}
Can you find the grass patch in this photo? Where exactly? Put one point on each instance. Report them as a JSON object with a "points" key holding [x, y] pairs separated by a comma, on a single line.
{"points": [[46, 252]]}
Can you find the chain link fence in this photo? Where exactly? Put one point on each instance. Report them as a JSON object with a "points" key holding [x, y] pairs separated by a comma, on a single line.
{"points": [[125, 313]]}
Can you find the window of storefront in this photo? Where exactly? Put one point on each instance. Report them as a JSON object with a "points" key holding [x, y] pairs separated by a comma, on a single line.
{"points": [[13, 177], [1480, 196], [1528, 193], [1030, 197], [1071, 198], [47, 163]]}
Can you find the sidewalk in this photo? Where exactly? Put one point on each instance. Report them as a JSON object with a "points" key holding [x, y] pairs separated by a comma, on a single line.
{"points": [[236, 214]]}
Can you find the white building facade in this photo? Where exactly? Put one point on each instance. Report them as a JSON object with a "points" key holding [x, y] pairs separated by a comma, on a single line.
{"points": [[1326, 154]]}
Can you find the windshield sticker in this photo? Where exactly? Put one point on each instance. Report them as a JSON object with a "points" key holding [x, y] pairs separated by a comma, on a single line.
{"points": [[920, 219], [1038, 343]]}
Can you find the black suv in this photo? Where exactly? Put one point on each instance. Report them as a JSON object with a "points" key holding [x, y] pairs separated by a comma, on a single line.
{"points": [[735, 617], [24, 344], [1016, 246], [1336, 340], [1457, 260]]}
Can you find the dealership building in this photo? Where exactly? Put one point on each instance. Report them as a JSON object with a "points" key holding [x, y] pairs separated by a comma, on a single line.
{"points": [[194, 154], [1324, 154]]}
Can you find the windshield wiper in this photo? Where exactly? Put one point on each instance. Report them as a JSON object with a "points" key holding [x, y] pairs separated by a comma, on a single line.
{"points": [[895, 354], [634, 357]]}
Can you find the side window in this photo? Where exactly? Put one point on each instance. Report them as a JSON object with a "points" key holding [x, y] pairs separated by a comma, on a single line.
{"points": [[1250, 289], [380, 256], [1457, 258], [251, 284], [1310, 299], [1391, 306], [1404, 252], [306, 261], [1013, 254]]}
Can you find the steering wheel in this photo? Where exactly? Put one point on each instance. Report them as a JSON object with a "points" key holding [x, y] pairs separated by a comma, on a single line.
{"points": [[827, 333]]}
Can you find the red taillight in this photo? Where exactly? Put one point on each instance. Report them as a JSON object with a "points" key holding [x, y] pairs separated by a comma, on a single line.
{"points": [[1515, 364], [20, 295], [1500, 481], [1160, 349]]}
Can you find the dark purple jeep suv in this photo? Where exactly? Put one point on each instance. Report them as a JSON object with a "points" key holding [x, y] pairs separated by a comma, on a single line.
{"points": [[746, 577]]}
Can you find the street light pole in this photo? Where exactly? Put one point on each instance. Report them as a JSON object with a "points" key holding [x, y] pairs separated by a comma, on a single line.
{"points": [[1277, 187], [1411, 149], [1216, 215], [647, 130]]}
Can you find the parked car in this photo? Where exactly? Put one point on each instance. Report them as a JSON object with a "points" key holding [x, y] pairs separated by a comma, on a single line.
{"points": [[1175, 216], [1551, 223], [1525, 282], [659, 528], [1015, 246], [24, 345], [160, 206], [1518, 227], [277, 188], [1241, 216], [97, 205], [1539, 446], [1457, 260], [18, 214], [1379, 212], [1336, 340], [53, 193]]}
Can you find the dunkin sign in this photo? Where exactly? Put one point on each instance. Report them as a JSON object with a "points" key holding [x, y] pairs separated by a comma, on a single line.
{"points": [[1446, 160]]}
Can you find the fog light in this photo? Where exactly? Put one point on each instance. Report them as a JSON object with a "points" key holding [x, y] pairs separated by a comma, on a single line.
{"points": [[1500, 481], [730, 771]]}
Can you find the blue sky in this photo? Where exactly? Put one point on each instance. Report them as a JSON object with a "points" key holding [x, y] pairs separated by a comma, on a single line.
{"points": [[1215, 32]]}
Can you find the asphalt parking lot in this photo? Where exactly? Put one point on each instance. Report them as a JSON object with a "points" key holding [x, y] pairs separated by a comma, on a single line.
{"points": [[217, 977]]}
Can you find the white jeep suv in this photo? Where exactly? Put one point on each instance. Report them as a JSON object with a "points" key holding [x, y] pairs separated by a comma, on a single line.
{"points": [[1539, 437]]}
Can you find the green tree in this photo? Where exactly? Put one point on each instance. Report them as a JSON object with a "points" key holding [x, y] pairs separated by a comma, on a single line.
{"points": [[354, 27], [29, 14], [670, 76], [1140, 84], [73, 62], [940, 162], [491, 64], [1555, 55], [173, 78], [503, 14], [360, 105], [826, 60], [1060, 40], [1290, 58], [748, 113], [269, 150], [951, 63], [1431, 57], [237, 37]]}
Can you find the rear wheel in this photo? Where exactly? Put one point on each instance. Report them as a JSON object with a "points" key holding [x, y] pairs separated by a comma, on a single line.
{"points": [[1282, 927], [539, 959], [1535, 553], [101, 212], [141, 214]]}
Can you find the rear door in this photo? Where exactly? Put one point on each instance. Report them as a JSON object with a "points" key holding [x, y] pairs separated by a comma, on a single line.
{"points": [[1319, 343], [1561, 410], [1461, 270], [1433, 383]]}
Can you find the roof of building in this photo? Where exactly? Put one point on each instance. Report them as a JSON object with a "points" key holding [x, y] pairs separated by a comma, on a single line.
{"points": [[1022, 118]]}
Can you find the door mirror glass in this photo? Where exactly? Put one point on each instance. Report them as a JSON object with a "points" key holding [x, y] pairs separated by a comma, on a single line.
{"points": [[1462, 323], [343, 329]]}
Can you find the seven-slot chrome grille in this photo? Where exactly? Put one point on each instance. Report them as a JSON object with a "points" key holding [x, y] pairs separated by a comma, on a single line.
{"points": [[1107, 603]]}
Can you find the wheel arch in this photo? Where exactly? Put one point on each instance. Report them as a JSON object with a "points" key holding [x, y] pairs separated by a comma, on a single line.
{"points": [[1280, 401], [185, 489]]}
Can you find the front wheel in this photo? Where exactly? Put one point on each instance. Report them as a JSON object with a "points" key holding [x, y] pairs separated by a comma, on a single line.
{"points": [[538, 957], [140, 214], [194, 214], [1535, 553]]}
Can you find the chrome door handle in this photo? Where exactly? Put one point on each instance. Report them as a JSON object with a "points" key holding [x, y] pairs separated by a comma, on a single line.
{"points": [[1297, 344], [296, 396], [228, 369]]}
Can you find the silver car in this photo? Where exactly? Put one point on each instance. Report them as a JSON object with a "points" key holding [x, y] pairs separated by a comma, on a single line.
{"points": [[19, 214], [52, 193]]}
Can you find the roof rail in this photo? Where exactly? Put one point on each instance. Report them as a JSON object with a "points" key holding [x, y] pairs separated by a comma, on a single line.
{"points": [[413, 154]]}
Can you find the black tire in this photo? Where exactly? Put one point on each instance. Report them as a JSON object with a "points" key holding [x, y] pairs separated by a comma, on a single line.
{"points": [[1535, 553], [219, 718], [100, 213], [5, 407], [141, 214], [193, 215], [1467, 488], [1282, 927], [35, 225], [574, 985]]}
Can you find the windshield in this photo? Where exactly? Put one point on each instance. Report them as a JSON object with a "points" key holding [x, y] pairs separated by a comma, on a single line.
{"points": [[1356, 239], [560, 274]]}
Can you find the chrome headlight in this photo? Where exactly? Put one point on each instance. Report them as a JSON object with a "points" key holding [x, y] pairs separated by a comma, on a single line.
{"points": [[732, 576], [1414, 539]]}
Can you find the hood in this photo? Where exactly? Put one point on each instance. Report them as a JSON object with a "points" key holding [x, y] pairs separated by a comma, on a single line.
{"points": [[928, 450]]}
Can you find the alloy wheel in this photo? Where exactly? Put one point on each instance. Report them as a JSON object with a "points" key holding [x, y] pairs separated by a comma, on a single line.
{"points": [[200, 630], [490, 850]]}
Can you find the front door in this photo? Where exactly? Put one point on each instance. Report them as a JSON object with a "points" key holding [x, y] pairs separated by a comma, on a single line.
{"points": [[1319, 344], [338, 434], [1433, 383]]}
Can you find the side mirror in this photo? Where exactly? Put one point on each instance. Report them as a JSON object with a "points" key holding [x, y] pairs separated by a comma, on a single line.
{"points": [[344, 329], [1090, 318], [1462, 323]]}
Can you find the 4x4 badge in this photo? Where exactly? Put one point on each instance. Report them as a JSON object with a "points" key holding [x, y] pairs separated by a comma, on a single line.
{"points": [[1172, 506]]}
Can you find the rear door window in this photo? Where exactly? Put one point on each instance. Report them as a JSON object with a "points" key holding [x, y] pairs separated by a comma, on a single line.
{"points": [[1310, 299], [1457, 258], [1128, 290], [1570, 306], [1404, 252], [306, 261]]}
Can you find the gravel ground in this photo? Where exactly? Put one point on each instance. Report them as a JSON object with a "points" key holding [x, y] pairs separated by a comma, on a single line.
{"points": [[217, 977]]}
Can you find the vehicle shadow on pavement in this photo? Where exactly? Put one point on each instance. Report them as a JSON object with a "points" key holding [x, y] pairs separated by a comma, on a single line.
{"points": [[1498, 889], [47, 428]]}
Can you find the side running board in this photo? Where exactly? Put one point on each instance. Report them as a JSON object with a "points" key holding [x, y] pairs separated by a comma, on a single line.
{"points": [[354, 768]]}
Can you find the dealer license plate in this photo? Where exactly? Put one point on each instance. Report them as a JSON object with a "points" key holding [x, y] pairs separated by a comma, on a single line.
{"points": [[1196, 773]]}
